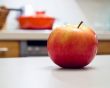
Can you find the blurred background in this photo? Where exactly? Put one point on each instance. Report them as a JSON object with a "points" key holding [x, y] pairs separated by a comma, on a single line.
{"points": [[29, 23], [96, 12]]}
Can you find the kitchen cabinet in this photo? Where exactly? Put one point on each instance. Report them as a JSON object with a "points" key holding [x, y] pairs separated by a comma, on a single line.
{"points": [[104, 47], [9, 48]]}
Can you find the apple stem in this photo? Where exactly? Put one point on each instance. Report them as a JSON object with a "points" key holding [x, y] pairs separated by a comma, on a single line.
{"points": [[80, 24]]}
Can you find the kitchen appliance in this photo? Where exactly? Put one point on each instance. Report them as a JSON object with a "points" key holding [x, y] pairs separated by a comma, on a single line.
{"points": [[33, 48]]}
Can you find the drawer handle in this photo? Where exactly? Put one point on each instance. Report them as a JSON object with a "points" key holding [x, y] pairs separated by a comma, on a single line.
{"points": [[3, 49]]}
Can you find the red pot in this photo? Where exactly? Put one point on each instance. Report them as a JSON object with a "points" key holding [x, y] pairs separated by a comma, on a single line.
{"points": [[40, 21]]}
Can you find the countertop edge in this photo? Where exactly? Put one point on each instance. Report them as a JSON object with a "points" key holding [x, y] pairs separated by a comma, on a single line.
{"points": [[39, 35]]}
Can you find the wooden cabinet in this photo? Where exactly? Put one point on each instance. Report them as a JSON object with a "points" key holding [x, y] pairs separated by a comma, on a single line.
{"points": [[9, 48], [104, 47]]}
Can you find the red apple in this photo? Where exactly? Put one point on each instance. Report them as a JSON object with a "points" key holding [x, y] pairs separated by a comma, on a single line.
{"points": [[72, 46]]}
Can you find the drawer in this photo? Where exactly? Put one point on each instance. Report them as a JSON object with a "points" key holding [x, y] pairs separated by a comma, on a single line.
{"points": [[9, 49], [104, 47]]}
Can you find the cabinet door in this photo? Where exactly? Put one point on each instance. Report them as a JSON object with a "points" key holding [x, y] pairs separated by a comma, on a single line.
{"points": [[104, 47], [9, 49]]}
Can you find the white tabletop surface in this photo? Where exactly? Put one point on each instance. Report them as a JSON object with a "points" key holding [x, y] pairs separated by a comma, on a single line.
{"points": [[41, 72]]}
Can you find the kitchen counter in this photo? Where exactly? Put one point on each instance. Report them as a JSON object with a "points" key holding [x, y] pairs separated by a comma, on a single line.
{"points": [[24, 34], [39, 34], [41, 72]]}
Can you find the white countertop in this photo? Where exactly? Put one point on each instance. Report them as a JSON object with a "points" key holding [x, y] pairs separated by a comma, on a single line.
{"points": [[41, 72], [24, 34], [38, 34]]}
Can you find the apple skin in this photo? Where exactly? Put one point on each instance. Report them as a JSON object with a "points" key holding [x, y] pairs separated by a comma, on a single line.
{"points": [[72, 47]]}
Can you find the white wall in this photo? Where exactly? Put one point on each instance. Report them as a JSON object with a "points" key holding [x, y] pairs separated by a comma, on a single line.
{"points": [[97, 12]]}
